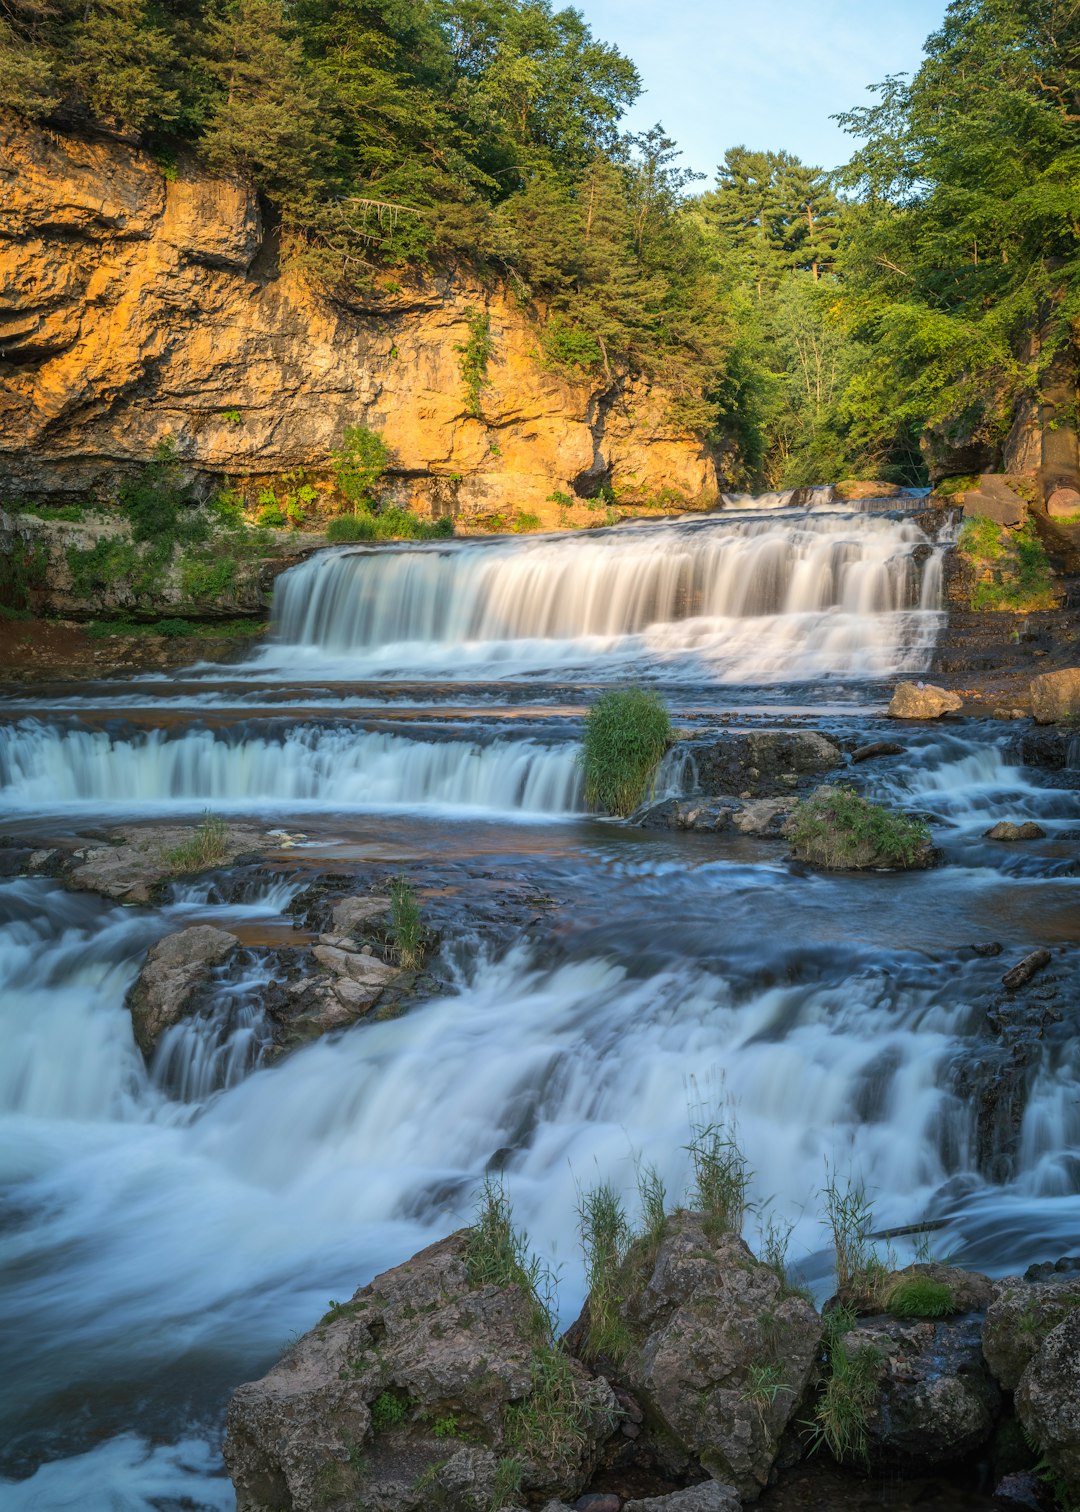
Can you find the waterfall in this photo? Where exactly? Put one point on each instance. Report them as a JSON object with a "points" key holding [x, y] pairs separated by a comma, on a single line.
{"points": [[338, 766], [757, 597]]}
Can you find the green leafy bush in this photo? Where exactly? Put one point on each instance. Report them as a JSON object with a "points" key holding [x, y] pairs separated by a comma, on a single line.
{"points": [[351, 527], [838, 830], [207, 575], [360, 466], [626, 734], [524, 522], [476, 352], [272, 516], [172, 628], [571, 347]]}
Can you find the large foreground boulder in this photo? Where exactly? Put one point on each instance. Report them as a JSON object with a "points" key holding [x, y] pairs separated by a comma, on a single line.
{"points": [[1048, 1403], [923, 701], [1056, 695], [1020, 1318], [718, 1355], [175, 968], [422, 1391], [934, 1400]]}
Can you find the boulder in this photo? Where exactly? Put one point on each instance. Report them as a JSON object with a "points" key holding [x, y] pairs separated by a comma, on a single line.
{"points": [[761, 816], [718, 1355], [1055, 695], [709, 1496], [1063, 503], [141, 857], [995, 500], [1048, 1403], [762, 763], [1005, 829], [1020, 1318], [877, 748], [399, 1401], [935, 1400], [922, 701], [350, 915], [175, 967]]}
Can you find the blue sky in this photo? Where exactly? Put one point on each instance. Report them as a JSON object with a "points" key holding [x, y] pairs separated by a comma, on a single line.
{"points": [[766, 73]]}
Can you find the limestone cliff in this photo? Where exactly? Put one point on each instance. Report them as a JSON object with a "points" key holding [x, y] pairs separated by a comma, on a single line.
{"points": [[137, 303]]}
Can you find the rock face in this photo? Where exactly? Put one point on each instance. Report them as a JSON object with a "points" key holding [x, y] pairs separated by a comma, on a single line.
{"points": [[922, 701], [136, 307], [936, 1400], [995, 500], [762, 763], [398, 1401], [174, 968], [1020, 1318], [710, 1496], [1048, 1402], [140, 858], [720, 1358], [1056, 695]]}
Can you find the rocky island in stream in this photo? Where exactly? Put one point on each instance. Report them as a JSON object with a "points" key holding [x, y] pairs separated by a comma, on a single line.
{"points": [[539, 762]]}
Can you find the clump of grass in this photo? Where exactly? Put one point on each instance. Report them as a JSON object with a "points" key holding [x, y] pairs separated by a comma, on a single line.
{"points": [[605, 1239], [208, 846], [351, 527], [1010, 568], [652, 1196], [497, 1254], [920, 1297], [524, 522], [764, 1383], [388, 1411], [949, 487], [721, 1176], [839, 830], [774, 1235], [550, 1425], [626, 734], [406, 924], [840, 1420], [849, 1216]]}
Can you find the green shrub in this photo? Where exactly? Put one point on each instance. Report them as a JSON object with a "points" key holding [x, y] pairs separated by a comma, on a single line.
{"points": [[406, 924], [626, 734], [271, 516], [228, 506], [68, 513], [843, 1406], [525, 522], [208, 846], [172, 628], [160, 504], [360, 466], [388, 1411], [351, 527], [21, 571], [920, 1297], [839, 830], [207, 575], [568, 346], [1010, 568], [476, 352]]}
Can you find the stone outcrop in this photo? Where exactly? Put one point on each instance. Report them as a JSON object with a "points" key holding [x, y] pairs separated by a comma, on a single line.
{"points": [[719, 1356], [761, 763], [1048, 1403], [935, 1400], [1020, 1318], [137, 306], [995, 500], [1056, 695], [141, 857], [175, 967], [403, 1399], [709, 1496], [923, 701], [1007, 829]]}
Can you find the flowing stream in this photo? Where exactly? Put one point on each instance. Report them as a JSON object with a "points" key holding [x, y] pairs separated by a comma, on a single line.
{"points": [[166, 1228]]}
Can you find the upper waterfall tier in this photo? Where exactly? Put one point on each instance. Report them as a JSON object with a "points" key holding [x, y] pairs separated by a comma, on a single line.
{"points": [[743, 597]]}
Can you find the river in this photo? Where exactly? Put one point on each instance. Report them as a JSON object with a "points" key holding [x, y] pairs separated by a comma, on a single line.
{"points": [[165, 1230]]}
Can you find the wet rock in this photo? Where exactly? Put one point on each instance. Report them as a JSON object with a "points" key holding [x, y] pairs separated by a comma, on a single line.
{"points": [[759, 764], [709, 1496], [936, 1401], [140, 858], [348, 1416], [922, 701], [1048, 1403], [1050, 748], [598, 1501], [702, 1314], [350, 916], [988, 948], [1055, 695], [763, 816], [1022, 1489], [174, 968], [1005, 829], [1020, 1318], [1022, 973], [877, 748]]}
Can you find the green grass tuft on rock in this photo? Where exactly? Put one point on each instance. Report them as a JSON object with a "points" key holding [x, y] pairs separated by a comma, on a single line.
{"points": [[208, 846], [1009, 568], [837, 829], [626, 735], [406, 924], [920, 1297]]}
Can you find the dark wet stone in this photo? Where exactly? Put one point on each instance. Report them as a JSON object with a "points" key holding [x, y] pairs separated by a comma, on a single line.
{"points": [[988, 948]]}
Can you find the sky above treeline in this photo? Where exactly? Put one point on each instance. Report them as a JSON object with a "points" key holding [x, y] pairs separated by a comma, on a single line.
{"points": [[761, 73]]}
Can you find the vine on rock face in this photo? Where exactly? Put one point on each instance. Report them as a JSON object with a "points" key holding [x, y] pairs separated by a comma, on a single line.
{"points": [[475, 355]]}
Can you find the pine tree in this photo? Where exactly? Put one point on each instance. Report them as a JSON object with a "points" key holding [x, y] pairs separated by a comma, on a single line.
{"points": [[118, 65]]}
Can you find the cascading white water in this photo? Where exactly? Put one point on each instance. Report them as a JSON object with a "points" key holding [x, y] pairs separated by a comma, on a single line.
{"points": [[49, 766], [741, 598]]}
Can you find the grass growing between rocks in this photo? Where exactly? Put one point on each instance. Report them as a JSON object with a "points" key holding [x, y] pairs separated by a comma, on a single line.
{"points": [[208, 846], [721, 1176], [920, 1297], [839, 1422], [839, 830], [606, 1236], [387, 525], [406, 924], [1010, 568], [626, 735]]}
